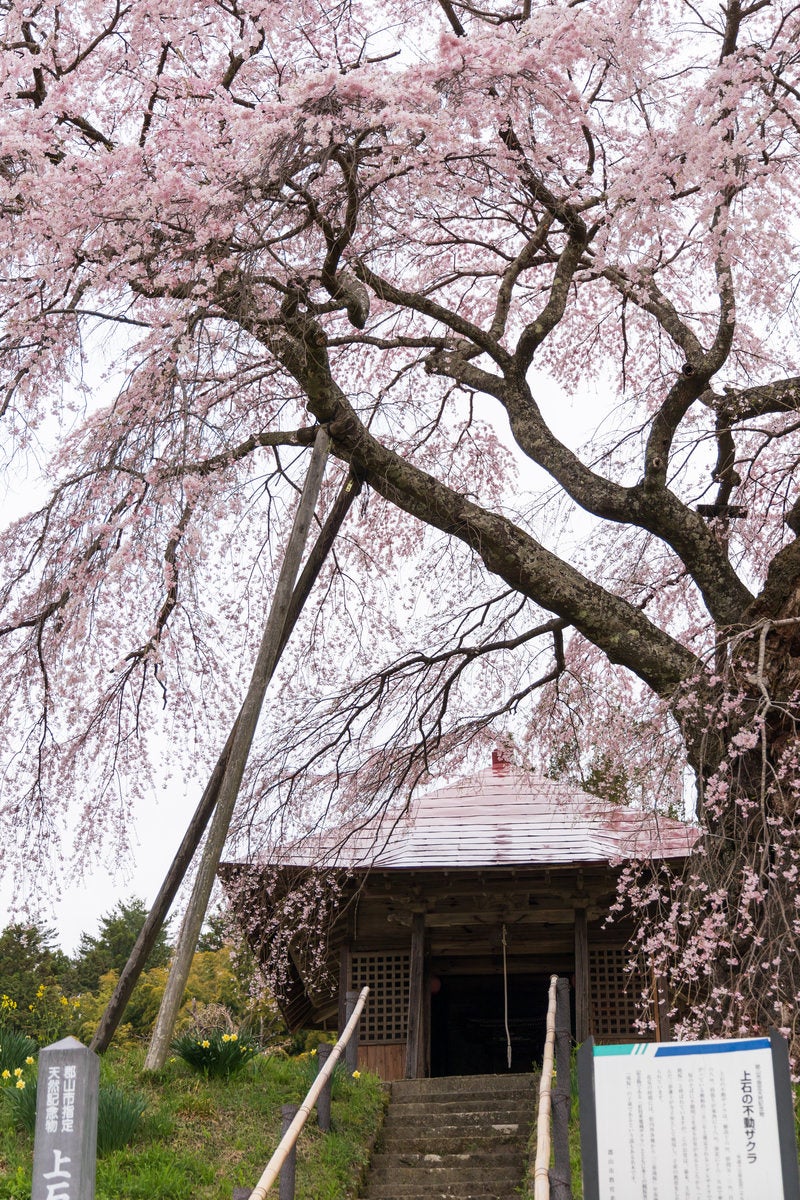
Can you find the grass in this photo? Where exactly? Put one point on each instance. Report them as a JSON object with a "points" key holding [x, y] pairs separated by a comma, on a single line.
{"points": [[200, 1137]]}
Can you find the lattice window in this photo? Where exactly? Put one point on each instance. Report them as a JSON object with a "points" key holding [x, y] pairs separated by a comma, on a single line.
{"points": [[614, 995], [386, 1014]]}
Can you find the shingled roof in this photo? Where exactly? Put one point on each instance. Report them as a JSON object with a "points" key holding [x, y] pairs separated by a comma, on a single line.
{"points": [[499, 817]]}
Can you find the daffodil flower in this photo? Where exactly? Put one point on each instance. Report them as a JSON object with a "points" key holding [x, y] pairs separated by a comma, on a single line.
{"points": [[356, 1074]]}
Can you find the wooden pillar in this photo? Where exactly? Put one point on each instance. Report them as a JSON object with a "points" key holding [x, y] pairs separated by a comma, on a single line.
{"points": [[415, 1048], [582, 994], [426, 1018], [345, 982]]}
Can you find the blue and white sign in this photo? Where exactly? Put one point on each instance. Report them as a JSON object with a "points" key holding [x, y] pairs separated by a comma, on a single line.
{"points": [[688, 1121]]}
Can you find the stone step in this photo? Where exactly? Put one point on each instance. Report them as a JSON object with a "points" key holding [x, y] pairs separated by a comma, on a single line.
{"points": [[456, 1125], [394, 1193], [451, 1141], [459, 1084], [479, 1159], [462, 1138], [422, 1176], [452, 1104]]}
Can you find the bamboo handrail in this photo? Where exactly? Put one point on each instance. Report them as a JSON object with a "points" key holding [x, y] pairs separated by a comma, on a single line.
{"points": [[272, 1169], [541, 1170]]}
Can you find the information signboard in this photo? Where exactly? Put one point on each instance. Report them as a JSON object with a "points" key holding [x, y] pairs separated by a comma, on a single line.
{"points": [[688, 1121]]}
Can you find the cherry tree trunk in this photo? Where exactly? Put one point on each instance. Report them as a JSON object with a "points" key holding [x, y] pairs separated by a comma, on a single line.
{"points": [[732, 922]]}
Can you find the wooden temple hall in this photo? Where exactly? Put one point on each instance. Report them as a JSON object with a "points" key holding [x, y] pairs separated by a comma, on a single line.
{"points": [[457, 915]]}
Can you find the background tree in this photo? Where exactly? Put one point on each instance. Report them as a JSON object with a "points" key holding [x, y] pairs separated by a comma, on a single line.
{"points": [[108, 949], [416, 225], [29, 959]]}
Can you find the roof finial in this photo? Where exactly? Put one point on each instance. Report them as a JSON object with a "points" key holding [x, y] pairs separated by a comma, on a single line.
{"points": [[501, 760]]}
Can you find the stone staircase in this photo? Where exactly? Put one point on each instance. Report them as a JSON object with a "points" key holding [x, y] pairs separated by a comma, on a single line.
{"points": [[459, 1138]]}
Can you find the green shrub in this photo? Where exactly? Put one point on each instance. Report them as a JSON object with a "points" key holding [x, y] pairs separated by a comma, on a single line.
{"points": [[119, 1116], [217, 1054], [16, 1049]]}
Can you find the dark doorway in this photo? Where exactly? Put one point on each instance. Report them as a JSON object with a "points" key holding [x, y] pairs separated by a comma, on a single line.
{"points": [[468, 1035]]}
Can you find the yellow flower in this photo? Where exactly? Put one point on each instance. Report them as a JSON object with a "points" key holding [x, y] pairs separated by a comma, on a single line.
{"points": [[17, 1071], [63, 1000], [234, 1037], [30, 1060], [205, 1044], [356, 1074], [40, 991], [20, 1083], [5, 1075], [226, 1037], [313, 1052]]}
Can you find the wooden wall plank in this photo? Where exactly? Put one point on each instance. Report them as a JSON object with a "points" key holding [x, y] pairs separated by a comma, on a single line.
{"points": [[387, 1061]]}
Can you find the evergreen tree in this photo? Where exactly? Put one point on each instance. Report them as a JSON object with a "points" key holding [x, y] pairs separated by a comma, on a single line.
{"points": [[109, 949], [29, 958]]}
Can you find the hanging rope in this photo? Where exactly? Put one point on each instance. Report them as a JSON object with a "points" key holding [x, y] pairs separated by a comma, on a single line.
{"points": [[505, 1000]]}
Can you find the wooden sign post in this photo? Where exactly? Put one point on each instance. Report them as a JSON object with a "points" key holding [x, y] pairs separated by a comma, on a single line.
{"points": [[65, 1145]]}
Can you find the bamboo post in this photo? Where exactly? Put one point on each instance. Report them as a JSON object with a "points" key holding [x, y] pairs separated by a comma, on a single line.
{"points": [[561, 1175], [541, 1169], [272, 1169]]}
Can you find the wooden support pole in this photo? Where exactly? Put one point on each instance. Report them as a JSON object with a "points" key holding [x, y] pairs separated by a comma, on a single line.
{"points": [[244, 733], [161, 905], [560, 1172], [197, 826], [415, 1050], [345, 966], [582, 993]]}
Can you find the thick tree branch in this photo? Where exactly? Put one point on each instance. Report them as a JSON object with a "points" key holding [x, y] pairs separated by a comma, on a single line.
{"points": [[622, 630]]}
